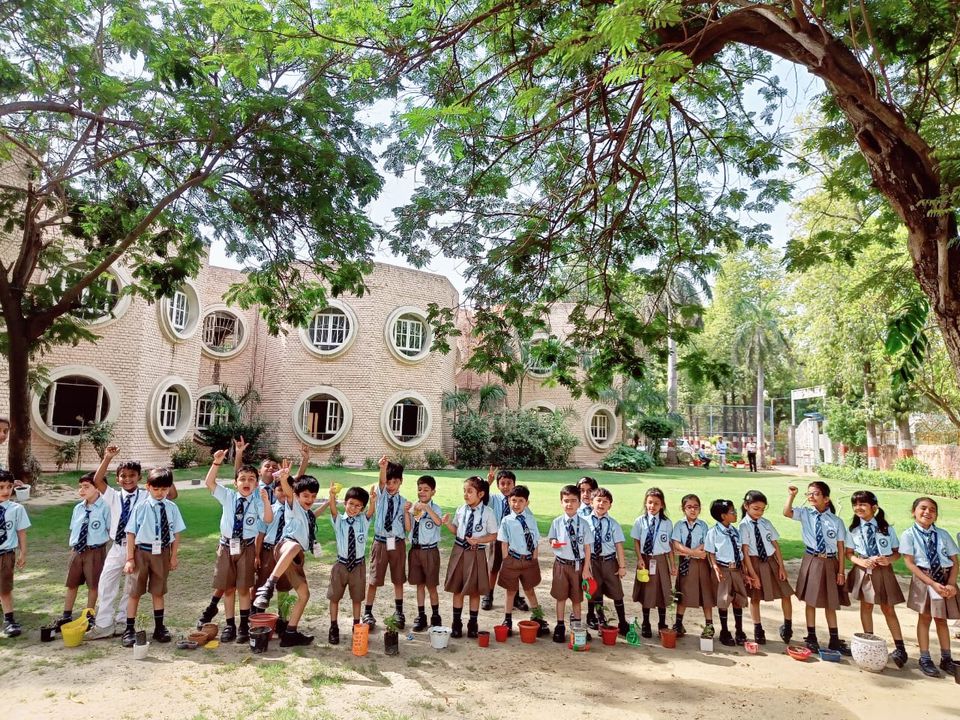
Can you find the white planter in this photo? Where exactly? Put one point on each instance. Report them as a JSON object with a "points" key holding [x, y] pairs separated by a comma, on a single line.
{"points": [[22, 493], [869, 651], [439, 637], [706, 644], [140, 651]]}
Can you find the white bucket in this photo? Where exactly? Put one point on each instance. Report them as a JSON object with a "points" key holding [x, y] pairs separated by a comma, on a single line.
{"points": [[140, 651], [23, 493], [439, 637], [706, 644]]}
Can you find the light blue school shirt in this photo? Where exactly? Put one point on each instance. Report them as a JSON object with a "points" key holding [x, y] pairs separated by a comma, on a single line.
{"points": [[270, 531], [585, 510], [396, 530], [253, 511], [582, 532], [833, 529], [14, 519], [341, 530], [484, 522], [98, 527], [720, 541], [511, 532], [913, 542], [145, 523], [698, 533], [425, 530], [296, 524], [662, 528], [768, 533], [269, 488], [887, 543], [610, 534]]}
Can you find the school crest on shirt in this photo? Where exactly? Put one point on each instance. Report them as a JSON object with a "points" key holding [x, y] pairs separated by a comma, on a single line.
{"points": [[943, 552], [770, 538], [427, 523], [663, 537], [95, 525], [832, 534], [361, 539], [9, 524], [250, 520], [883, 542]]}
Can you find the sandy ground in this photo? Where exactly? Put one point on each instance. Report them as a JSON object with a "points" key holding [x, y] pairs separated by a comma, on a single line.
{"points": [[100, 679]]}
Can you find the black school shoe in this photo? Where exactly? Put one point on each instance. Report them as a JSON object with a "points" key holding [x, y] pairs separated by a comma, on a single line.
{"points": [[295, 638], [401, 619], [61, 621], [456, 629], [209, 613], [679, 629], [592, 621], [472, 628], [486, 602], [264, 594], [162, 635], [420, 624], [899, 657], [623, 628], [740, 637], [811, 643], [928, 668], [435, 620], [544, 629], [759, 636], [646, 631], [333, 637], [786, 633], [727, 639], [509, 625], [129, 638], [519, 603], [560, 634], [228, 634], [243, 635], [949, 666], [369, 619], [840, 646], [12, 629]]}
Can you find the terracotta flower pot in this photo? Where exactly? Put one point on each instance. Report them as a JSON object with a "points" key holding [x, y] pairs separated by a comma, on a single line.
{"points": [[528, 630]]}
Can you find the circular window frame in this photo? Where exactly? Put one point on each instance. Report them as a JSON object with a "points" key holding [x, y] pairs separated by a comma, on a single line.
{"points": [[539, 405], [163, 309], [296, 415], [185, 425], [109, 387], [614, 428], [123, 302], [201, 392], [244, 337], [539, 338], [385, 419], [427, 335], [351, 334]]}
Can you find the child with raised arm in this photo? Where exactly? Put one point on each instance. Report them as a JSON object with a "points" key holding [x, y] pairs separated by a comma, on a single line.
{"points": [[351, 530], [389, 542], [424, 521]]}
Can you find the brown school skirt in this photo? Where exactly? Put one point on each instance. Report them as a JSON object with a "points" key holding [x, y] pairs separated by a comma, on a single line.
{"points": [[566, 583], [424, 566], [698, 588], [267, 563], [85, 567], [657, 592], [151, 572], [880, 587], [467, 572], [732, 590], [7, 562], [609, 583], [514, 573], [919, 599], [235, 571], [381, 558], [817, 583], [341, 579], [771, 586], [295, 574]]}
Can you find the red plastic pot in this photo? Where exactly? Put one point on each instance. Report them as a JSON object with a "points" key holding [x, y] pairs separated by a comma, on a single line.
{"points": [[483, 638], [501, 632], [608, 635]]}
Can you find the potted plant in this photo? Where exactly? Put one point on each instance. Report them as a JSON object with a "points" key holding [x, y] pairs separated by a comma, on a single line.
{"points": [[706, 638], [391, 636], [285, 604], [537, 616]]}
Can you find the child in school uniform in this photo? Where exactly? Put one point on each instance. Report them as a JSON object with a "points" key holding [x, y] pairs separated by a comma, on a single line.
{"points": [[763, 561], [504, 480], [271, 535], [608, 564], [89, 535], [873, 547], [572, 540], [467, 574], [351, 530], [520, 539], [299, 537], [122, 501], [153, 541], [931, 556], [695, 580], [822, 579], [242, 511], [588, 487], [389, 543], [423, 562], [723, 547], [651, 541], [13, 549]]}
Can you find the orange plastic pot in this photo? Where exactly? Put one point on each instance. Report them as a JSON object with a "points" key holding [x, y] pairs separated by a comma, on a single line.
{"points": [[668, 638], [361, 638], [528, 630]]}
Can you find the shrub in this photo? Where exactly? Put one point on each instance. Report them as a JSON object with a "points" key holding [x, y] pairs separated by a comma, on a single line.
{"points": [[65, 454], [912, 465], [336, 458], [99, 434], [627, 459], [856, 460], [921, 484], [513, 438], [221, 435], [471, 431], [370, 463], [184, 454], [656, 428], [436, 460]]}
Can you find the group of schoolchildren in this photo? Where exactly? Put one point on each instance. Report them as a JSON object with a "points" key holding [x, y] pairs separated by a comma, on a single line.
{"points": [[268, 525]]}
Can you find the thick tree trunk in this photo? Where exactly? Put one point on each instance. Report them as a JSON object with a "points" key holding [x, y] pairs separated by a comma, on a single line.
{"points": [[19, 388], [904, 436], [761, 454]]}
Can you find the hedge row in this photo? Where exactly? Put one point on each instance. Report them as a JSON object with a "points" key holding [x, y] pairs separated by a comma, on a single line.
{"points": [[922, 484]]}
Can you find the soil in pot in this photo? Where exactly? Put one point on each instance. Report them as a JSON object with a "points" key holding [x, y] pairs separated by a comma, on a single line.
{"points": [[391, 642]]}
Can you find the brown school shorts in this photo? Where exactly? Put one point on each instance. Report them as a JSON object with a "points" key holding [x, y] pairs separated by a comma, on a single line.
{"points": [[295, 575], [609, 583], [380, 558], [151, 572], [566, 582], [85, 567], [235, 571], [424, 567], [7, 562], [515, 572], [341, 579], [267, 563]]}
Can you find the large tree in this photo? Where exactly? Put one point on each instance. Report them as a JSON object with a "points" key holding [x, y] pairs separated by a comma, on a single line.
{"points": [[134, 127], [594, 135]]}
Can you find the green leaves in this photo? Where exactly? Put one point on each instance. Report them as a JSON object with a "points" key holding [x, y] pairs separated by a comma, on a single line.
{"points": [[907, 341]]}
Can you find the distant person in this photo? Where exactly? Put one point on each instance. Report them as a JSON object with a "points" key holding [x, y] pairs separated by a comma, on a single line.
{"points": [[751, 448], [722, 448], [704, 457]]}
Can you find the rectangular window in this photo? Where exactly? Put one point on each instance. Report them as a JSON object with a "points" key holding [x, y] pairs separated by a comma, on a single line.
{"points": [[408, 335], [334, 417], [329, 330], [204, 413], [179, 311], [598, 427], [396, 420], [169, 410]]}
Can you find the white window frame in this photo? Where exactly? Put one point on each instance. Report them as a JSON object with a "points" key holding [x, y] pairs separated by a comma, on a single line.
{"points": [[319, 332], [599, 427], [209, 412], [406, 342], [408, 335], [180, 313], [534, 368], [52, 401], [336, 424], [612, 425], [170, 411], [109, 390], [392, 415]]}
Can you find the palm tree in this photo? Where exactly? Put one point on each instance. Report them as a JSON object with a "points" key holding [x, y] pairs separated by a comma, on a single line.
{"points": [[756, 340], [633, 399]]}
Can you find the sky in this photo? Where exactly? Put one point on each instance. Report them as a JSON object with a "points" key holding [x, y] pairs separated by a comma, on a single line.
{"points": [[801, 87]]}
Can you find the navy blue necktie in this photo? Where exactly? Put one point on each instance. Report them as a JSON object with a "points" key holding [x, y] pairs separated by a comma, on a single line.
{"points": [[3, 525], [351, 545], [311, 529], [735, 541], [648, 541], [468, 533], [818, 534], [238, 514], [761, 548], [84, 531], [685, 559], [124, 518], [388, 520], [164, 526], [597, 536], [572, 537], [280, 523], [527, 535], [933, 557], [872, 550], [506, 509]]}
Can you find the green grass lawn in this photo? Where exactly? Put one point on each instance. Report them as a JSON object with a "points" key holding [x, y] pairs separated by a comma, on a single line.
{"points": [[39, 588]]}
